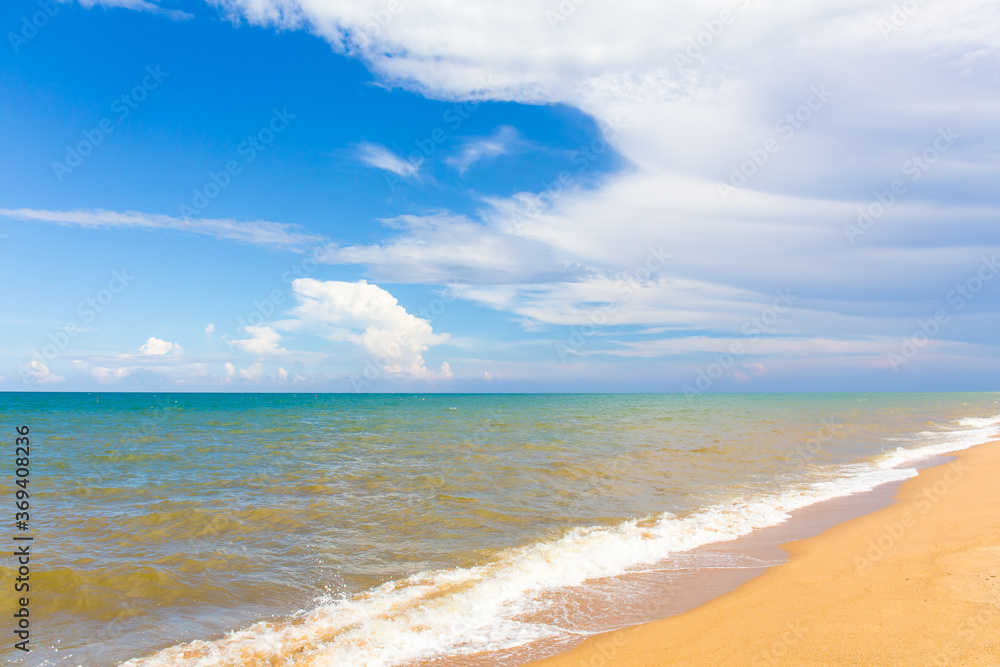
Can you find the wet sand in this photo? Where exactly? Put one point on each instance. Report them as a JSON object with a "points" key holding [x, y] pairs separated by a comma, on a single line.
{"points": [[914, 583]]}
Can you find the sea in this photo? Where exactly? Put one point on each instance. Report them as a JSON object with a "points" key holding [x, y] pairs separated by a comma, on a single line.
{"points": [[424, 530]]}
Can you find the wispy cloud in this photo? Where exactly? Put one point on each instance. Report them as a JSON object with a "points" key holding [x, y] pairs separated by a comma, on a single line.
{"points": [[268, 234], [473, 150], [138, 5], [381, 157]]}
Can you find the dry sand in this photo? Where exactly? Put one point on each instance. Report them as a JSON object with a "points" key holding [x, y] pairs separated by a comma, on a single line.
{"points": [[916, 583]]}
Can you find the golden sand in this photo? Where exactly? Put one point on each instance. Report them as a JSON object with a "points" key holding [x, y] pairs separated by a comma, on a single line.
{"points": [[916, 583]]}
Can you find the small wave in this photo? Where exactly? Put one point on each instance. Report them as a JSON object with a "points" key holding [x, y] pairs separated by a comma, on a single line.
{"points": [[471, 610]]}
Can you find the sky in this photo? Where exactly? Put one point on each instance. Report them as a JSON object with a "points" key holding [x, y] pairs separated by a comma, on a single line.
{"points": [[535, 195]]}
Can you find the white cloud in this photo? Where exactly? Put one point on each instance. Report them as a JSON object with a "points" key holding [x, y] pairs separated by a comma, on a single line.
{"points": [[474, 150], [138, 5], [369, 316], [263, 341], [210, 329], [268, 234], [154, 347], [439, 248], [746, 371], [36, 371], [282, 375], [253, 372], [108, 375], [381, 157], [230, 369], [684, 107]]}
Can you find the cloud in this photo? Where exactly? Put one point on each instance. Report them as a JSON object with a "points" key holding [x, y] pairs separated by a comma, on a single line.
{"points": [[109, 375], [275, 235], [38, 372], [210, 329], [154, 347], [444, 247], [230, 369], [689, 102], [381, 157], [746, 371], [253, 372], [369, 316], [138, 5], [263, 341], [474, 150]]}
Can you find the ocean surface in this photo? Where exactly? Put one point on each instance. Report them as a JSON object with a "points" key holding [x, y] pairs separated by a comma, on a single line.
{"points": [[431, 529]]}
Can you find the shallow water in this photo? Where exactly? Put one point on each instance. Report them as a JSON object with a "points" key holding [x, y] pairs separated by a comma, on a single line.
{"points": [[396, 529]]}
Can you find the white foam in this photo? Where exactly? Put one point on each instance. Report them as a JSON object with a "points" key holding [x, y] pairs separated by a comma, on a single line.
{"points": [[467, 610], [945, 441]]}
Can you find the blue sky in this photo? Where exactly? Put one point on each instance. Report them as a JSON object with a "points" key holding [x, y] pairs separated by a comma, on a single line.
{"points": [[307, 195]]}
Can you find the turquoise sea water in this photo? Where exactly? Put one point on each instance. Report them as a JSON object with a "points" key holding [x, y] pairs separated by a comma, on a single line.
{"points": [[243, 529]]}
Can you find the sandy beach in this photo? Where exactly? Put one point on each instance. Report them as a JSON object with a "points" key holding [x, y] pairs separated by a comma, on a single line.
{"points": [[916, 583]]}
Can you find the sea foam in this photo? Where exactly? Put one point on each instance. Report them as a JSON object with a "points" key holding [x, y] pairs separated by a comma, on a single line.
{"points": [[476, 609]]}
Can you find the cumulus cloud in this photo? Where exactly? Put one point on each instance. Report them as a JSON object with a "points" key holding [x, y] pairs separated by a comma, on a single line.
{"points": [[109, 375], [262, 341], [210, 329], [253, 372], [369, 316], [381, 157], [154, 347], [38, 372], [276, 235]]}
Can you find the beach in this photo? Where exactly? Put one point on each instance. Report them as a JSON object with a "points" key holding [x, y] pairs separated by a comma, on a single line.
{"points": [[474, 530], [915, 583]]}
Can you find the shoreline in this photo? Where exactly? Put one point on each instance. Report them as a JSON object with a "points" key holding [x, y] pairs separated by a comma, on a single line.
{"points": [[912, 581]]}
